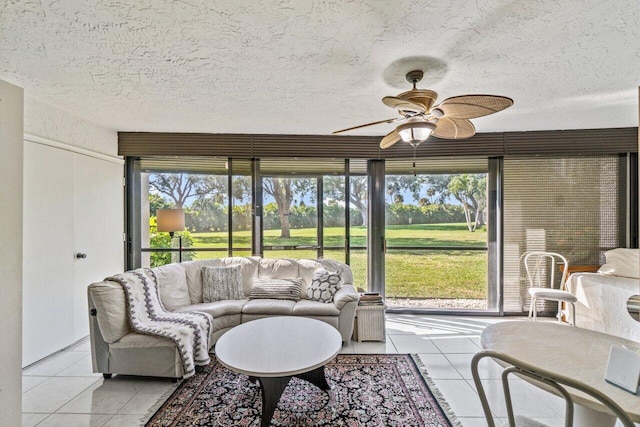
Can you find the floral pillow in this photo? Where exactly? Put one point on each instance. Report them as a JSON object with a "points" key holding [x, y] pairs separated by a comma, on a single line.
{"points": [[324, 285]]}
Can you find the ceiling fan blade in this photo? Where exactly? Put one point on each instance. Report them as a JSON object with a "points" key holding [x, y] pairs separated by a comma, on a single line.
{"points": [[403, 104], [390, 139], [472, 106], [449, 128], [368, 124]]}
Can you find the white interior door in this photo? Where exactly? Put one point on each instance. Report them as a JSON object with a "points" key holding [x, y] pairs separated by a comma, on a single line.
{"points": [[48, 300], [98, 229], [73, 204]]}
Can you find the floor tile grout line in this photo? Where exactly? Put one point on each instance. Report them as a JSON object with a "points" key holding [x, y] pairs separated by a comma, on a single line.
{"points": [[78, 394]]}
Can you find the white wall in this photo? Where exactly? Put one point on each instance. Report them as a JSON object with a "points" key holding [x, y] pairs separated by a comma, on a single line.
{"points": [[56, 124], [11, 133], [73, 203]]}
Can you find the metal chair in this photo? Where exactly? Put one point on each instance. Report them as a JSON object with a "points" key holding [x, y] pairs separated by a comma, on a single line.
{"points": [[541, 270], [549, 379]]}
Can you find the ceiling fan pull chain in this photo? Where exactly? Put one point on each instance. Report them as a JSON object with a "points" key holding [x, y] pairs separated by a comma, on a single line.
{"points": [[414, 159]]}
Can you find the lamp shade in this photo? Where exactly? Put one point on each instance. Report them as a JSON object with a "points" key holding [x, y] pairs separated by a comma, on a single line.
{"points": [[415, 132], [170, 220]]}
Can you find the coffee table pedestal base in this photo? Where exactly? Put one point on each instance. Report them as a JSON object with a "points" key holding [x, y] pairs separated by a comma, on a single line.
{"points": [[273, 387]]}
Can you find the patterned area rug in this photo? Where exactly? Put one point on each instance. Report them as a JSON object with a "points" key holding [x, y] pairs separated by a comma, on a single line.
{"points": [[366, 390]]}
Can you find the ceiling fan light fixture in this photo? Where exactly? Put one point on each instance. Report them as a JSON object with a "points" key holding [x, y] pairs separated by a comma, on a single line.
{"points": [[415, 132]]}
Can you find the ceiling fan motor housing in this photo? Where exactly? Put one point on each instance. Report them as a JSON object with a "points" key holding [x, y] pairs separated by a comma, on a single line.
{"points": [[424, 97]]}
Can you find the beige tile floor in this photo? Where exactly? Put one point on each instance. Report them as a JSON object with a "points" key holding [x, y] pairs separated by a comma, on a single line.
{"points": [[62, 390]]}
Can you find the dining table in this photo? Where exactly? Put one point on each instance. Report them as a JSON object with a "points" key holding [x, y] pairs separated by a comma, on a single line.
{"points": [[577, 353]]}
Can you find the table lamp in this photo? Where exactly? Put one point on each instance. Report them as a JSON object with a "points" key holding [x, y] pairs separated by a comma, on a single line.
{"points": [[171, 220]]}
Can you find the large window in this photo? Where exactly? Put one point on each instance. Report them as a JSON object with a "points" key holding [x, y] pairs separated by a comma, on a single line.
{"points": [[453, 232], [214, 227], [436, 234], [571, 205], [296, 208]]}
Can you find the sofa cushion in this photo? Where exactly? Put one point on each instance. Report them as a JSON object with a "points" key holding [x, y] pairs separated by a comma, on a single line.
{"points": [[269, 307], [218, 308], [194, 274], [226, 322], [324, 286], [221, 283], [314, 308], [135, 339], [622, 262], [249, 270], [342, 268], [276, 289], [172, 285], [307, 268], [278, 268], [111, 310]]}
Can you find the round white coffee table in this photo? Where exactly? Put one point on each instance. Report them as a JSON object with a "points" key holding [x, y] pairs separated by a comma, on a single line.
{"points": [[274, 349]]}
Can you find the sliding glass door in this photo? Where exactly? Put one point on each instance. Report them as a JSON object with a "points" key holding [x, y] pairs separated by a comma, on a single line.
{"points": [[290, 217], [436, 235]]}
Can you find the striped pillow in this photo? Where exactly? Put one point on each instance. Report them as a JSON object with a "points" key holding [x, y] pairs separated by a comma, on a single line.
{"points": [[290, 289]]}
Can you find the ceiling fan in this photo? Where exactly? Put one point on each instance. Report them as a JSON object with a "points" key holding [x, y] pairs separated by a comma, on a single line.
{"points": [[419, 118]]}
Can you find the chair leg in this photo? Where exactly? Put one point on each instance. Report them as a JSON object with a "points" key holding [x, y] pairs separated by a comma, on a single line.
{"points": [[534, 308], [531, 308], [559, 315], [573, 314]]}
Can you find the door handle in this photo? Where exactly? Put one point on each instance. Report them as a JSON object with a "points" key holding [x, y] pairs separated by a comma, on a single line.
{"points": [[80, 255]]}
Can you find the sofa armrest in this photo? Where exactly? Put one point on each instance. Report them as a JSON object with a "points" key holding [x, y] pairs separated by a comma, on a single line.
{"points": [[345, 294]]}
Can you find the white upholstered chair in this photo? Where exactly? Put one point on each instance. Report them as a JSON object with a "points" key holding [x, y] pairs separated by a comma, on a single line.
{"points": [[541, 268]]}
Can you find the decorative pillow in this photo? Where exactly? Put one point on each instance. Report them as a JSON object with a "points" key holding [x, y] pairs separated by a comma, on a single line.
{"points": [[221, 283], [324, 285], [622, 262], [276, 289]]}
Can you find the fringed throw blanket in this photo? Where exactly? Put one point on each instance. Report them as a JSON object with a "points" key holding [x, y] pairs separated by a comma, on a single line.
{"points": [[190, 331]]}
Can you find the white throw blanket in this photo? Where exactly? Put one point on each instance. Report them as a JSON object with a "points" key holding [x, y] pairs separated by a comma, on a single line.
{"points": [[190, 331]]}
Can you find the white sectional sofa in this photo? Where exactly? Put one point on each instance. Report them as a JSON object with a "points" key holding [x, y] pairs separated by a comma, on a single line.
{"points": [[116, 349], [602, 297]]}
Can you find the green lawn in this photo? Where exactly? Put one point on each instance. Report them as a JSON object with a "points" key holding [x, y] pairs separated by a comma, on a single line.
{"points": [[409, 274]]}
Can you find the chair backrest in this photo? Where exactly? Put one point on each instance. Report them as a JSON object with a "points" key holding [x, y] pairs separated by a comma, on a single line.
{"points": [[552, 380], [541, 268]]}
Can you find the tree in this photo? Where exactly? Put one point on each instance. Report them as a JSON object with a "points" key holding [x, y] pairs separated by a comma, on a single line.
{"points": [[397, 184], [437, 187], [207, 214], [282, 190], [179, 187], [156, 202], [470, 191], [334, 188], [163, 240]]}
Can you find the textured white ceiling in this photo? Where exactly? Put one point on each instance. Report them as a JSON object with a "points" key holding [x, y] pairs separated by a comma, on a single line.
{"points": [[311, 67]]}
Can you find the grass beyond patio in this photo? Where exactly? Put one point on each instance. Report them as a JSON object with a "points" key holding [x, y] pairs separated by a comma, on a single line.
{"points": [[450, 274]]}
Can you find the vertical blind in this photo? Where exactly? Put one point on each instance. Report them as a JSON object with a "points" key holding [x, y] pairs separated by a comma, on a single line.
{"points": [[567, 205]]}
